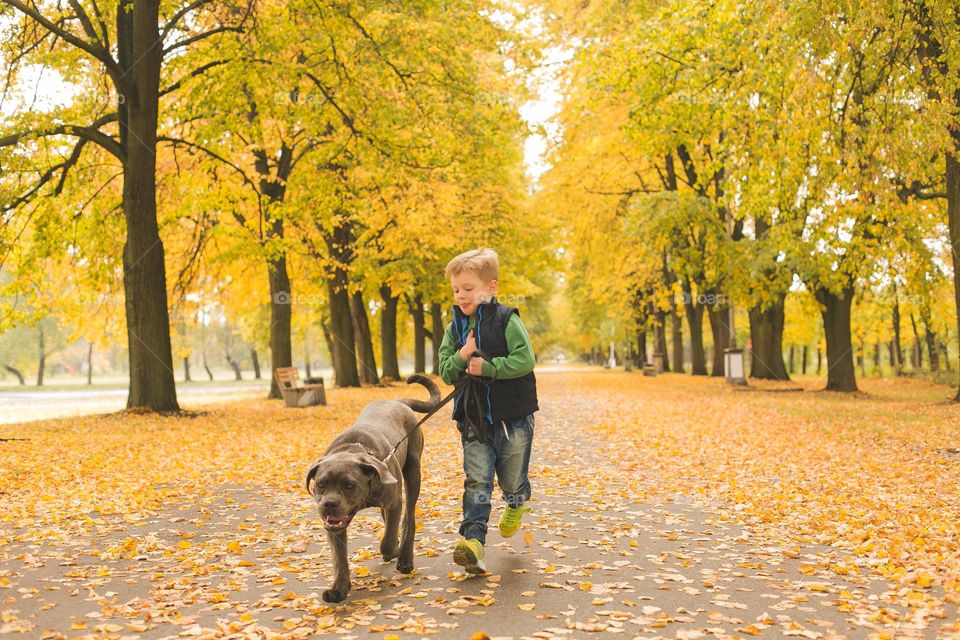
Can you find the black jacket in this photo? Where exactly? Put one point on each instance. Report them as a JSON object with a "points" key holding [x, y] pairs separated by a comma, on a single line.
{"points": [[504, 399]]}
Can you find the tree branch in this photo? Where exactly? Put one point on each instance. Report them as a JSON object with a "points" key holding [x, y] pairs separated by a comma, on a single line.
{"points": [[104, 34], [86, 24], [916, 189], [47, 176], [201, 36], [170, 24], [196, 72], [90, 133], [213, 154], [93, 49]]}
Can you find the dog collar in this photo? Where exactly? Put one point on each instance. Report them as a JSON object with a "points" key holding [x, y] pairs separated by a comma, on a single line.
{"points": [[366, 449]]}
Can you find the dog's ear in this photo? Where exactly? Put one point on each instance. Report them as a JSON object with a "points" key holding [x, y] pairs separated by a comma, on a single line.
{"points": [[312, 472], [368, 462]]}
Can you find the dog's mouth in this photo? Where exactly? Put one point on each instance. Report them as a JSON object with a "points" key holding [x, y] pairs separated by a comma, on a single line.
{"points": [[337, 523]]}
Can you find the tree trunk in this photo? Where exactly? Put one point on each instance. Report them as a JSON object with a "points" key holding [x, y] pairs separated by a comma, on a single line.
{"points": [[237, 372], [897, 347], [42, 359], [953, 219], [930, 336], [933, 53], [341, 330], [660, 336], [144, 273], [363, 339], [720, 328], [16, 372], [255, 360], [207, 368], [388, 334], [934, 356], [436, 313], [306, 357], [641, 348], [766, 340], [695, 324], [916, 359], [790, 367], [281, 298], [803, 366], [419, 335], [676, 325], [186, 368], [328, 338], [339, 246], [819, 360], [90, 363], [835, 310]]}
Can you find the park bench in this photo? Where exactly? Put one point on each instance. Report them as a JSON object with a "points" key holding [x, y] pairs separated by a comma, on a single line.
{"points": [[295, 393], [650, 369]]}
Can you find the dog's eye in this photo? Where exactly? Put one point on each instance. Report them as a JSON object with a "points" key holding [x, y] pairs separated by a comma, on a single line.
{"points": [[348, 486]]}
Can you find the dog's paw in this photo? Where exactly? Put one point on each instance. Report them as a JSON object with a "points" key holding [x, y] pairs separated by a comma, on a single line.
{"points": [[334, 595], [405, 565], [389, 551]]}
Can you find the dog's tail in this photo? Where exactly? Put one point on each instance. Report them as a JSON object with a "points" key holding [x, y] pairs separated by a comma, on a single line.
{"points": [[419, 405]]}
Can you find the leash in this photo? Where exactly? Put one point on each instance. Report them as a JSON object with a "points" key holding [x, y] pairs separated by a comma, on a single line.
{"points": [[466, 383]]}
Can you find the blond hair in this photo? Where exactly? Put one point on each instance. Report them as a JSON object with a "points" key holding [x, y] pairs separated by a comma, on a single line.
{"points": [[483, 262]]}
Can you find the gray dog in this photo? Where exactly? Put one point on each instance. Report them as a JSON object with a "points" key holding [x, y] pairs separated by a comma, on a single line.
{"points": [[356, 472]]}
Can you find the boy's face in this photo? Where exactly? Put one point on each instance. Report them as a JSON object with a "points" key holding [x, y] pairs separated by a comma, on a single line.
{"points": [[469, 291]]}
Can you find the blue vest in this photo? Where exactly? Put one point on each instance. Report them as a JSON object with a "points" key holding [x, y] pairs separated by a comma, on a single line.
{"points": [[505, 399]]}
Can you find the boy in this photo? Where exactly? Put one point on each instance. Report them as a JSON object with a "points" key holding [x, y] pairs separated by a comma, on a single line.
{"points": [[507, 400]]}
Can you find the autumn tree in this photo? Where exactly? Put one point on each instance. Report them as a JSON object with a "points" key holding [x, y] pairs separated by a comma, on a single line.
{"points": [[132, 52]]}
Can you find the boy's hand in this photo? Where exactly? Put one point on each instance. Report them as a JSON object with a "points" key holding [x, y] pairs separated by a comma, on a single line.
{"points": [[468, 347], [475, 366]]}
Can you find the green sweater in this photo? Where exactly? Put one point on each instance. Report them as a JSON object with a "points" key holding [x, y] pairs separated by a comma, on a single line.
{"points": [[518, 362]]}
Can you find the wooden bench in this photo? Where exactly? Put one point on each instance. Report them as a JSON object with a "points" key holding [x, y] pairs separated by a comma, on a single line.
{"points": [[295, 393], [650, 370]]}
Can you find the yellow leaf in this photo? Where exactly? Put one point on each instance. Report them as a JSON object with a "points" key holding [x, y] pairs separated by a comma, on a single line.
{"points": [[924, 580]]}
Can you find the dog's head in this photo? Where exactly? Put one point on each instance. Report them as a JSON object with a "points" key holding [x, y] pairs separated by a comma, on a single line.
{"points": [[341, 484]]}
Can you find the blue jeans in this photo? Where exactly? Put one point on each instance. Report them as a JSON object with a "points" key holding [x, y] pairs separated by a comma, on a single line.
{"points": [[509, 457]]}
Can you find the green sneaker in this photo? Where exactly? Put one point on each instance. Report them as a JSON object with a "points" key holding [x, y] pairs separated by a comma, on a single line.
{"points": [[510, 520], [469, 555]]}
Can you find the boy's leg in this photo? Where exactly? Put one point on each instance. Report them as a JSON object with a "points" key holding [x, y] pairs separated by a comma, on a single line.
{"points": [[513, 461], [478, 467]]}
